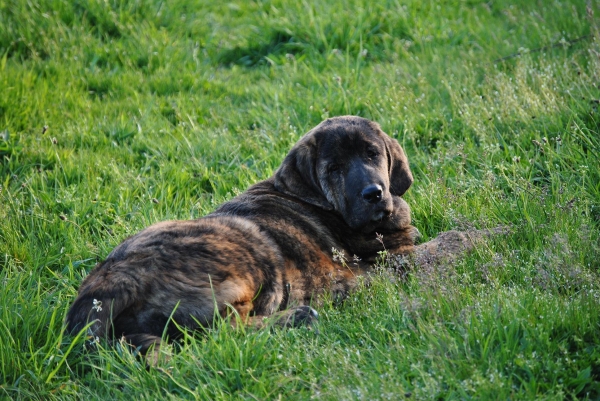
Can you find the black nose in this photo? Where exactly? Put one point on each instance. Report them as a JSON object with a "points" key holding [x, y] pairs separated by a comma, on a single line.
{"points": [[372, 193]]}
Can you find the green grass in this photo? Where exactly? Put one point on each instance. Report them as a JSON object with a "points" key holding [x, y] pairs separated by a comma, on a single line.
{"points": [[117, 114]]}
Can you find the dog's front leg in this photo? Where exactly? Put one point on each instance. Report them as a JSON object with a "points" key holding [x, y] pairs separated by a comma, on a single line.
{"points": [[301, 316]]}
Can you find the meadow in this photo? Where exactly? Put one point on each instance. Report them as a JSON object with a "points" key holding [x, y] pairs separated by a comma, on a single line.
{"points": [[117, 114]]}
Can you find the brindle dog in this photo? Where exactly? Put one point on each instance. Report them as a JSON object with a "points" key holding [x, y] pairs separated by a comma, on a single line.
{"points": [[268, 251]]}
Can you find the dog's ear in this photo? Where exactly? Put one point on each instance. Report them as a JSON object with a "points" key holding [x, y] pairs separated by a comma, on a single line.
{"points": [[298, 176], [400, 176]]}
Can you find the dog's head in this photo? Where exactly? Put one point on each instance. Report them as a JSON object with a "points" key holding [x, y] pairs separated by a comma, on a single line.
{"points": [[347, 164]]}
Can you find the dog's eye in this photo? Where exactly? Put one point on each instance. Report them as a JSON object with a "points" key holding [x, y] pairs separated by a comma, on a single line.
{"points": [[332, 168], [371, 154]]}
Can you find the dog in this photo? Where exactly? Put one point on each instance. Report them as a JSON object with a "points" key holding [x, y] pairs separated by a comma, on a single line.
{"points": [[314, 227]]}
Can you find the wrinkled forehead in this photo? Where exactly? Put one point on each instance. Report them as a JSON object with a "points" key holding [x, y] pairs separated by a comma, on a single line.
{"points": [[348, 140]]}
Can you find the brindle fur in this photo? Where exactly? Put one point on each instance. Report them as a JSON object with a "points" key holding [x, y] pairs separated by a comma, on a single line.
{"points": [[267, 251]]}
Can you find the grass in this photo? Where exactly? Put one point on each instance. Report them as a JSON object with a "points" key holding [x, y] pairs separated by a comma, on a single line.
{"points": [[117, 114]]}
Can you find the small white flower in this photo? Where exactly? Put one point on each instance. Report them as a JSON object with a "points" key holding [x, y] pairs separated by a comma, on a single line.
{"points": [[338, 256], [97, 305]]}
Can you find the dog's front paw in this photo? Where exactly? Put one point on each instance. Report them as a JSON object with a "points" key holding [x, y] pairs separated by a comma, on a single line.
{"points": [[414, 234], [302, 316]]}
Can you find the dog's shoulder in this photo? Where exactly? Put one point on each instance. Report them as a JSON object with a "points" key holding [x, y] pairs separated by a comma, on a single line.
{"points": [[297, 226]]}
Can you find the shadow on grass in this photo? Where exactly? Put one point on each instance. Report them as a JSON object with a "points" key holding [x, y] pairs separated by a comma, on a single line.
{"points": [[280, 44]]}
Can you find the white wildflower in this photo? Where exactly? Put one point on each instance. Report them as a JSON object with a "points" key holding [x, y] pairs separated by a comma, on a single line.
{"points": [[97, 305]]}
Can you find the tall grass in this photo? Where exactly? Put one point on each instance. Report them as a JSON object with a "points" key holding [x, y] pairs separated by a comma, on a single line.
{"points": [[117, 114]]}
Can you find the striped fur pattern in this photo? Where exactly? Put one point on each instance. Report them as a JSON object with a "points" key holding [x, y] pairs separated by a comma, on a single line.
{"points": [[266, 252]]}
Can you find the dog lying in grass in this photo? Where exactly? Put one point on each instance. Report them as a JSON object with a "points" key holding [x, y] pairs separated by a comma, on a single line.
{"points": [[266, 252], [270, 251]]}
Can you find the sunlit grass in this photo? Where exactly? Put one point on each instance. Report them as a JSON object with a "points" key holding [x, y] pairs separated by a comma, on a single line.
{"points": [[115, 115]]}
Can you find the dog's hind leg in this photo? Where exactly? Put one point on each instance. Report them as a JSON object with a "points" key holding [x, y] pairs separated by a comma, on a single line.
{"points": [[148, 345]]}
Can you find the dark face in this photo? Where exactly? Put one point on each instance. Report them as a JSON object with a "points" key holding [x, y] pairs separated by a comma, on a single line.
{"points": [[349, 165], [353, 174]]}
